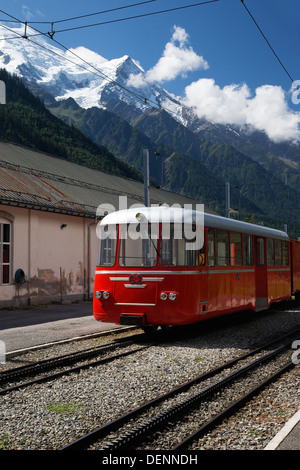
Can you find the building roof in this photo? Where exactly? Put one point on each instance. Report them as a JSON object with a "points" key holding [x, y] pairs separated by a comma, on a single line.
{"points": [[36, 180]]}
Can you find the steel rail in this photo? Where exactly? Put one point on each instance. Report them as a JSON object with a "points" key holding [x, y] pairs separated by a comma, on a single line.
{"points": [[87, 440], [63, 361], [233, 408]]}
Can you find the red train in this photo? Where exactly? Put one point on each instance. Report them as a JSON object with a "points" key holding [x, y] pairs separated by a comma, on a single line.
{"points": [[153, 271]]}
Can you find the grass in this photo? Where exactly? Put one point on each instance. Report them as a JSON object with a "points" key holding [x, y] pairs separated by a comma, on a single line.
{"points": [[64, 408]]}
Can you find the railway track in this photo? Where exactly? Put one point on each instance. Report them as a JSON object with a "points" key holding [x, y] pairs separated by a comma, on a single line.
{"points": [[146, 426], [48, 369]]}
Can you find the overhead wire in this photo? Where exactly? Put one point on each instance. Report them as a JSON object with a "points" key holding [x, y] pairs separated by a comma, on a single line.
{"points": [[86, 15], [138, 16], [182, 7], [140, 97], [104, 11], [268, 43], [95, 70]]}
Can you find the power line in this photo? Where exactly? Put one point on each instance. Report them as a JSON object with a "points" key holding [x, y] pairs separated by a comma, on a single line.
{"points": [[111, 21], [271, 48], [95, 71], [143, 99], [87, 15], [99, 72], [138, 16], [104, 11]]}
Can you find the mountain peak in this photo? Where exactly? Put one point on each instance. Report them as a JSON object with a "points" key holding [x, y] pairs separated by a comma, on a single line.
{"points": [[64, 75]]}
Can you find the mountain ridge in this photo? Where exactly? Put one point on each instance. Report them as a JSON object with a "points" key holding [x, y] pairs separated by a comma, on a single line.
{"points": [[207, 151]]}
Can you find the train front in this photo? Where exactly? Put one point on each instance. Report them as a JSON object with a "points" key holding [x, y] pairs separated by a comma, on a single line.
{"points": [[136, 282]]}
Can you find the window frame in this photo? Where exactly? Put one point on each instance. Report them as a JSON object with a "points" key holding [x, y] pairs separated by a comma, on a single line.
{"points": [[236, 256], [278, 253], [5, 248], [175, 248], [260, 256], [270, 252], [219, 234], [150, 243], [248, 252]]}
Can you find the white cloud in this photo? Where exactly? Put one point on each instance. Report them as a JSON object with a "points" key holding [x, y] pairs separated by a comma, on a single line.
{"points": [[176, 61], [26, 12], [266, 111]]}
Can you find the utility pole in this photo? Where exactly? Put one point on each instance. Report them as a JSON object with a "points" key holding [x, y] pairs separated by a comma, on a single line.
{"points": [[146, 176], [227, 199]]}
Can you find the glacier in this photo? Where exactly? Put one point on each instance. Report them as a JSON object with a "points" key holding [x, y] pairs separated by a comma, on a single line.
{"points": [[82, 74]]}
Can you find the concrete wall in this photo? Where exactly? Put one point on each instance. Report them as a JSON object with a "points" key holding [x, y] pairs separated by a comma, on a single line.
{"points": [[55, 260]]}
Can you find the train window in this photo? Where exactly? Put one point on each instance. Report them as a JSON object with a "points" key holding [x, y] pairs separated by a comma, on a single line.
{"points": [[278, 253], [138, 245], [248, 249], [285, 253], [236, 249], [175, 249], [108, 247], [211, 247], [270, 252], [222, 248], [260, 252]]}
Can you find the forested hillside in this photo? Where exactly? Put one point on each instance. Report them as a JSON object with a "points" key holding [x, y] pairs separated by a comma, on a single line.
{"points": [[187, 163], [25, 120]]}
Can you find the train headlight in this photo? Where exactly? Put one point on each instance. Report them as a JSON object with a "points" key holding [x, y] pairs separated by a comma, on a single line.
{"points": [[98, 294], [163, 296], [105, 295], [172, 295]]}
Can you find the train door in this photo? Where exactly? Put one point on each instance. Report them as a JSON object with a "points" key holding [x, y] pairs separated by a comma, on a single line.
{"points": [[261, 286], [211, 285]]}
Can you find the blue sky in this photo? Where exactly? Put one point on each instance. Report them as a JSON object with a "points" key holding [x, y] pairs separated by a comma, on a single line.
{"points": [[222, 34]]}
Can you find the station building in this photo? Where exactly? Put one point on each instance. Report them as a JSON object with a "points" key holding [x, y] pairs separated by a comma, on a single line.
{"points": [[48, 219]]}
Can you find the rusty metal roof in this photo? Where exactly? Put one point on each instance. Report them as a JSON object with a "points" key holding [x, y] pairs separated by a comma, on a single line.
{"points": [[36, 180]]}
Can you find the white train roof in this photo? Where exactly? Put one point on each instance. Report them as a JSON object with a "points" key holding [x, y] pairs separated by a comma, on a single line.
{"points": [[171, 214]]}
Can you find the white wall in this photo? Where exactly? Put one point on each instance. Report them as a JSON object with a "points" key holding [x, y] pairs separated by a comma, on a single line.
{"points": [[54, 259]]}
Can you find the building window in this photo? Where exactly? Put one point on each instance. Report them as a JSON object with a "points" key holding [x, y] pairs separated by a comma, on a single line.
{"points": [[5, 253]]}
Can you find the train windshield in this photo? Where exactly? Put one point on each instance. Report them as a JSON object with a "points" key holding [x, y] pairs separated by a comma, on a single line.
{"points": [[108, 236], [138, 244]]}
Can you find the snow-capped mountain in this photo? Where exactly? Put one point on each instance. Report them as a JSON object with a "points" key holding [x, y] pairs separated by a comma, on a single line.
{"points": [[93, 81], [82, 74]]}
